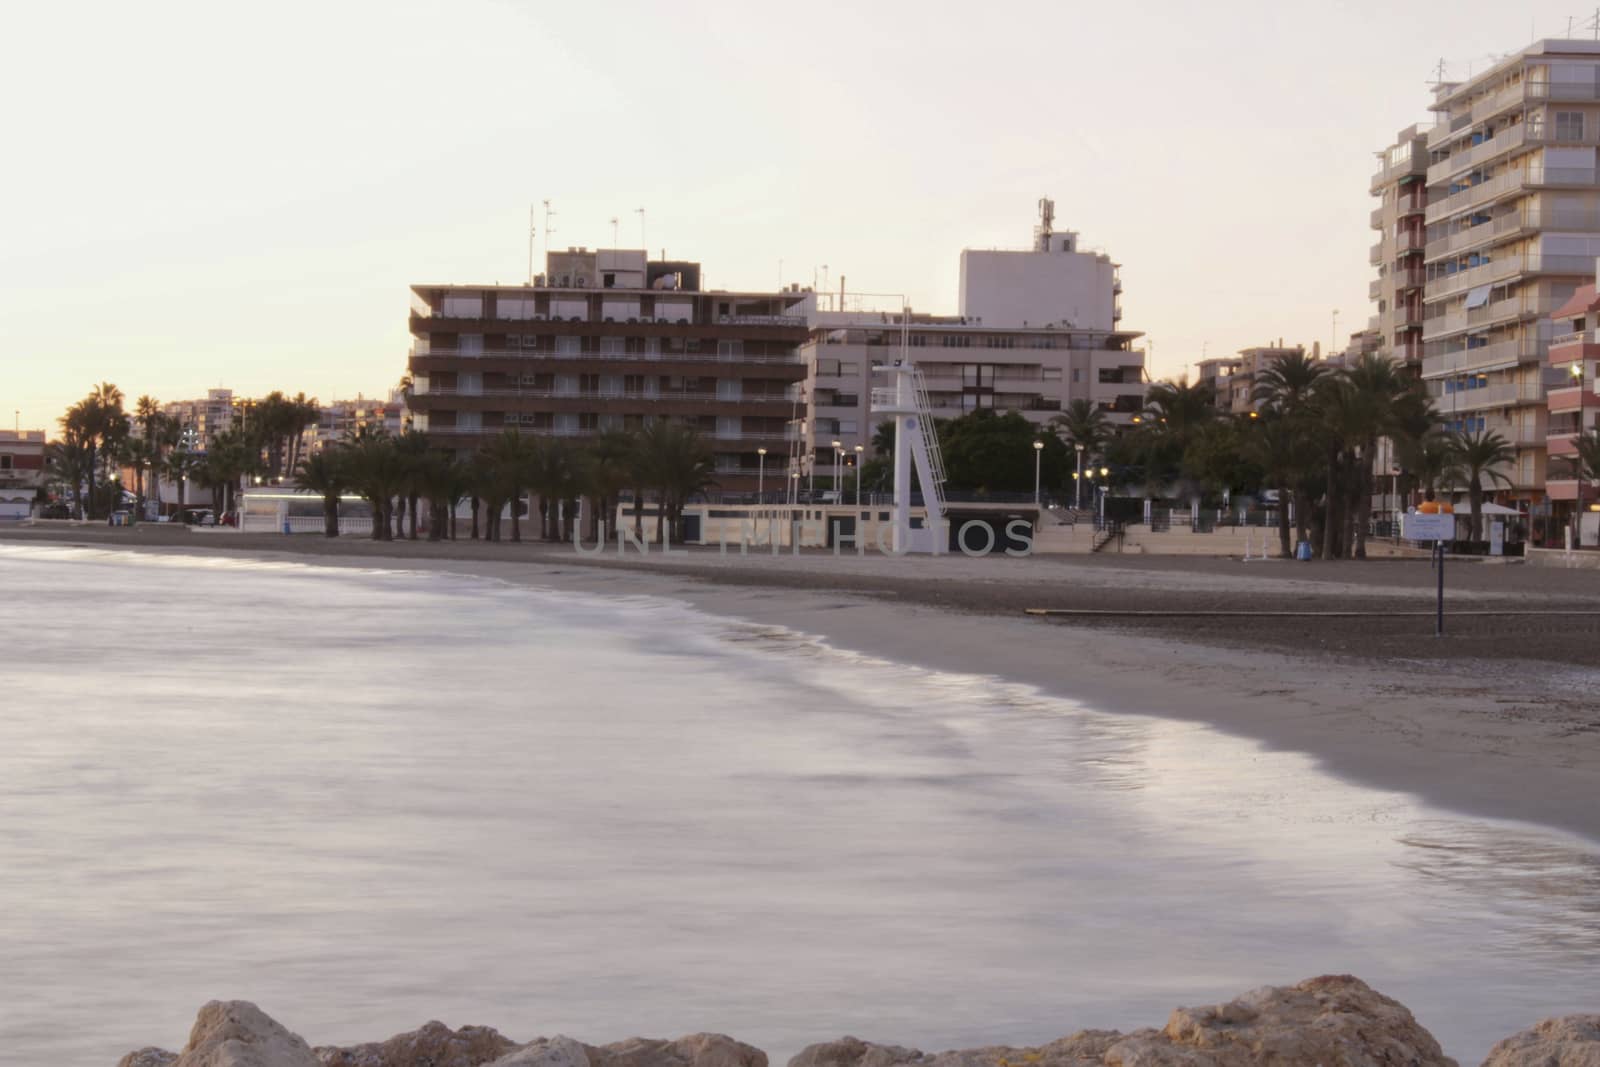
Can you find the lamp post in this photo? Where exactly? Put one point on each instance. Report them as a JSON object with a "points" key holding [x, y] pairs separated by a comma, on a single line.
{"points": [[761, 472], [1077, 480], [838, 454], [1038, 454], [860, 452]]}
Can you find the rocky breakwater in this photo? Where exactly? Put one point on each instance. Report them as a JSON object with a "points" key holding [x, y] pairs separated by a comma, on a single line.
{"points": [[1332, 1021]]}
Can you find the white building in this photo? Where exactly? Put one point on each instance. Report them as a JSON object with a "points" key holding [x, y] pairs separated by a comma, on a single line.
{"points": [[1035, 332]]}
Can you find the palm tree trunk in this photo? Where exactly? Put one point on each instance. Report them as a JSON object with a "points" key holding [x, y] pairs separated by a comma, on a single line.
{"points": [[516, 516], [330, 515], [1330, 520], [1283, 520], [413, 503], [475, 503], [638, 514]]}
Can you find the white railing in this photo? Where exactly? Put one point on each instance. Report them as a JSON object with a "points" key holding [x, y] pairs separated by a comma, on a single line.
{"points": [[1487, 357], [1502, 142], [1509, 182]]}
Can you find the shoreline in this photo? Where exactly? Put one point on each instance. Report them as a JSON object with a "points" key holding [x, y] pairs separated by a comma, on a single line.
{"points": [[1503, 739]]}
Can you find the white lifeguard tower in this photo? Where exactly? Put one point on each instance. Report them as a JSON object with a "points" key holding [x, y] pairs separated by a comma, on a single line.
{"points": [[906, 400]]}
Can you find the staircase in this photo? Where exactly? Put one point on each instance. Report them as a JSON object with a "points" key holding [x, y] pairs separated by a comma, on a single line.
{"points": [[933, 494], [1111, 531]]}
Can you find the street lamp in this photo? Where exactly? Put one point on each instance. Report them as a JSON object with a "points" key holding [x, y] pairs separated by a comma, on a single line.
{"points": [[1077, 481], [838, 453], [860, 452], [761, 472], [1038, 453]]}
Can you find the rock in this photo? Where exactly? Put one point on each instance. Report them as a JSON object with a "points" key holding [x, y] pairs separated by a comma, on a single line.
{"points": [[1333, 1021], [148, 1057], [696, 1050], [236, 1033], [555, 1051], [1570, 1041], [432, 1045]]}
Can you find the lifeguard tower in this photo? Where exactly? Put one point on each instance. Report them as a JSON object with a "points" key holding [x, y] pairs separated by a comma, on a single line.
{"points": [[905, 399]]}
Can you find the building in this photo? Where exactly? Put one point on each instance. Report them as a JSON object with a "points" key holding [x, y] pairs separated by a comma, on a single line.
{"points": [[1401, 187], [1250, 364], [610, 339], [1218, 372], [21, 471], [203, 420], [1035, 331], [339, 419], [1573, 408], [1513, 228]]}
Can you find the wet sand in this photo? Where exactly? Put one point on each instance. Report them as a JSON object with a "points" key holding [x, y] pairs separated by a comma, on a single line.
{"points": [[1499, 718]]}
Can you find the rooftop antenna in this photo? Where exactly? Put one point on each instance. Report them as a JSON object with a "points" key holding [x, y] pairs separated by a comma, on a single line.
{"points": [[1438, 74], [547, 230], [613, 231], [1047, 218], [642, 243], [1594, 24], [1333, 345], [532, 229]]}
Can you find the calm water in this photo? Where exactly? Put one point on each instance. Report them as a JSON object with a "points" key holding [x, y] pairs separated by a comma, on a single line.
{"points": [[364, 799]]}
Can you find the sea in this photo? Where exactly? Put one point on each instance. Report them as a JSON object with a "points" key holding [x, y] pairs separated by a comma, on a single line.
{"points": [[367, 798]]}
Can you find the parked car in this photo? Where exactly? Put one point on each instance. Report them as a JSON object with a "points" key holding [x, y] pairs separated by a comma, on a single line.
{"points": [[199, 517]]}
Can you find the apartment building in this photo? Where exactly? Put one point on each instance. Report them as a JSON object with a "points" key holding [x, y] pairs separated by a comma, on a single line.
{"points": [[1573, 406], [204, 419], [1401, 187], [1251, 362], [607, 339], [21, 471], [1513, 228], [1036, 330], [339, 419], [1218, 372]]}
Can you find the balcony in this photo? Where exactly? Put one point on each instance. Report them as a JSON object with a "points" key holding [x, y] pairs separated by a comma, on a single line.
{"points": [[1504, 395], [1506, 141], [1375, 254], [1500, 356], [1377, 218], [530, 355], [609, 395], [1572, 398], [1567, 347], [1375, 288], [1508, 310], [1505, 267], [1510, 183], [1502, 228], [1413, 240]]}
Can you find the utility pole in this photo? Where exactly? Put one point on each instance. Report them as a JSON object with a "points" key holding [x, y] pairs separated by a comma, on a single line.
{"points": [[547, 230], [1333, 344], [532, 229]]}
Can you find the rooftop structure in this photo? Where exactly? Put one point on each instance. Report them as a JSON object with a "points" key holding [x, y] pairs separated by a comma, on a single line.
{"points": [[21, 471], [1052, 284]]}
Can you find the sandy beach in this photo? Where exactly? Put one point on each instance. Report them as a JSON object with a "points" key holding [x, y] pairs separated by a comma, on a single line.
{"points": [[1501, 718]]}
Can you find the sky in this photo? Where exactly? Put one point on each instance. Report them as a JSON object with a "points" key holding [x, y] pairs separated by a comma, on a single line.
{"points": [[201, 194]]}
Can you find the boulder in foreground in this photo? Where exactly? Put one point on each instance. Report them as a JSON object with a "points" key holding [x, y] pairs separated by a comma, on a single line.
{"points": [[433, 1044], [1570, 1041], [1334, 1021]]}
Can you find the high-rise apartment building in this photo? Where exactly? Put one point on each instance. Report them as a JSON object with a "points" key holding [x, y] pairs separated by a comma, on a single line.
{"points": [[202, 420], [1402, 191], [1037, 329], [611, 339], [1574, 406], [1513, 228]]}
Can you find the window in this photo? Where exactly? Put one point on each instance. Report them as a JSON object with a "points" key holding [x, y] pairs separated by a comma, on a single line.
{"points": [[1569, 125], [612, 346], [1077, 375], [470, 344], [568, 346], [5, 461]]}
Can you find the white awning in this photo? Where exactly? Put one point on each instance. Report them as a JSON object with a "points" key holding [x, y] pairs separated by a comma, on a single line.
{"points": [[1478, 297]]}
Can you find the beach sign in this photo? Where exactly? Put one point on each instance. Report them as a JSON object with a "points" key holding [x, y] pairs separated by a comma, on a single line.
{"points": [[1417, 526]]}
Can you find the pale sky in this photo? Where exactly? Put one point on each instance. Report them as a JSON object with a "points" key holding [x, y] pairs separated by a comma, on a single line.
{"points": [[203, 194]]}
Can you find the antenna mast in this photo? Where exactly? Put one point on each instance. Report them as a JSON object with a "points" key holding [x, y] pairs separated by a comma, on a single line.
{"points": [[613, 231], [532, 229], [547, 229], [642, 242]]}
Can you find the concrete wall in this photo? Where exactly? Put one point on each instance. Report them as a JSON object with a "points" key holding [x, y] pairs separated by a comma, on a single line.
{"points": [[1038, 288]]}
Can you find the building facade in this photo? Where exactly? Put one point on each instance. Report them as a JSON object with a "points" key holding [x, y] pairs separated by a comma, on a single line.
{"points": [[1218, 372], [1574, 408], [1401, 188], [21, 471], [1513, 228], [609, 339], [1036, 330], [201, 421]]}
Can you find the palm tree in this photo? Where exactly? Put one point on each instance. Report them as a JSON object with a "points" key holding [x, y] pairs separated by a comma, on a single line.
{"points": [[323, 472], [179, 466], [373, 469], [510, 459], [412, 448], [608, 469], [1288, 388], [1479, 456], [1084, 426], [1378, 387], [68, 464], [140, 454], [677, 464], [1589, 456]]}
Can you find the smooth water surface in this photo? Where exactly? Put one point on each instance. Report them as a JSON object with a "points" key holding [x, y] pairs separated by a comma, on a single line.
{"points": [[364, 799]]}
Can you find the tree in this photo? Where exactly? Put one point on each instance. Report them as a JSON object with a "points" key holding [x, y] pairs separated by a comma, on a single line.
{"points": [[1083, 423], [373, 469], [1589, 456], [677, 465], [68, 463], [1287, 392], [1479, 456], [510, 460], [411, 446], [993, 453], [323, 472], [140, 454], [607, 468], [179, 466]]}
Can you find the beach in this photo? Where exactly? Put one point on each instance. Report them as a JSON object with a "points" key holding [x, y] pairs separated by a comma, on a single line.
{"points": [[1500, 718]]}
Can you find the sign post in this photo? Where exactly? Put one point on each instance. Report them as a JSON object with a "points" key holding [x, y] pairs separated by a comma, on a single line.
{"points": [[1440, 529]]}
